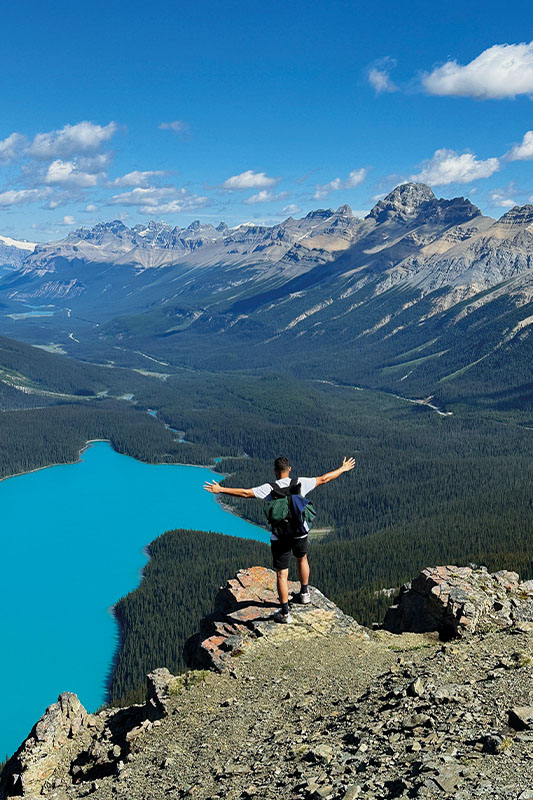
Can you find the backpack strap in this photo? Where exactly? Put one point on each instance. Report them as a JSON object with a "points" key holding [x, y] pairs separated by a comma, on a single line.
{"points": [[294, 487]]}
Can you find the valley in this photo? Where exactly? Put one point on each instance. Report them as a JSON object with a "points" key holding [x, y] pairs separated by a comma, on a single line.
{"points": [[403, 338]]}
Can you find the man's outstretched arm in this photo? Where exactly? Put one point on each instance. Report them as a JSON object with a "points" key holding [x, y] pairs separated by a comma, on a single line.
{"points": [[216, 488], [347, 465]]}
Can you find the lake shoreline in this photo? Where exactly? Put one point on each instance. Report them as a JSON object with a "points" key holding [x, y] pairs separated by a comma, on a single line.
{"points": [[127, 507], [85, 447], [90, 442]]}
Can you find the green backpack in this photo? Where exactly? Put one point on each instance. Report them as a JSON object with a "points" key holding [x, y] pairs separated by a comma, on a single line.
{"points": [[288, 512]]}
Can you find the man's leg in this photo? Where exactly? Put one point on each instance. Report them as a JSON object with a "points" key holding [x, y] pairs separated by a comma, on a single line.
{"points": [[280, 556], [303, 571], [282, 579]]}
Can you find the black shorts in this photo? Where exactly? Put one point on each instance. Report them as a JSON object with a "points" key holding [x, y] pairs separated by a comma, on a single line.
{"points": [[282, 548]]}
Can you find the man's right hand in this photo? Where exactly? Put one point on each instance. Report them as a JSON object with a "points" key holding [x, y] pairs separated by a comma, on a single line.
{"points": [[348, 464]]}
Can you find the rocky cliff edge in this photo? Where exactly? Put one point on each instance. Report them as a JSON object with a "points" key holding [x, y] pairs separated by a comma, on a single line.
{"points": [[319, 710]]}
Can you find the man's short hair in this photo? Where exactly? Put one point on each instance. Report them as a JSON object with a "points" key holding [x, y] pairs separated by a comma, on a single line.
{"points": [[281, 464]]}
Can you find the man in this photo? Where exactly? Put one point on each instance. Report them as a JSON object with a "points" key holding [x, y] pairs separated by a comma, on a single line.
{"points": [[282, 547]]}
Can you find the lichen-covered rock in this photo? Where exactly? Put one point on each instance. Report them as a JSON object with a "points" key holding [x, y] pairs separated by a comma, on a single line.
{"points": [[458, 600], [244, 610], [48, 750]]}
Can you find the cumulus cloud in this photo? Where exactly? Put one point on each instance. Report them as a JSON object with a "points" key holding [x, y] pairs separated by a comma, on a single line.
{"points": [[265, 196], [18, 197], [501, 199], [144, 196], [522, 151], [12, 147], [249, 180], [178, 126], [378, 75], [90, 208], [503, 70], [159, 200], [176, 206], [447, 166], [138, 178], [355, 177], [84, 137], [68, 220], [67, 173]]}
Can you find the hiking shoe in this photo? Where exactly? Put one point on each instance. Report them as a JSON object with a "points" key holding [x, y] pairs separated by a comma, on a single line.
{"points": [[304, 598], [285, 619]]}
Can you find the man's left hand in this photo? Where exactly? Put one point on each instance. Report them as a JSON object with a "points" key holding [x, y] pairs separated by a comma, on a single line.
{"points": [[212, 487]]}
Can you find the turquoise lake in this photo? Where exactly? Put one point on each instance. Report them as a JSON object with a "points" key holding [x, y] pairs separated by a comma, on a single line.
{"points": [[72, 541]]}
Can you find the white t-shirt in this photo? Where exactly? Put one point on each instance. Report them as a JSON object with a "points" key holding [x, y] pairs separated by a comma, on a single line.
{"points": [[264, 492]]}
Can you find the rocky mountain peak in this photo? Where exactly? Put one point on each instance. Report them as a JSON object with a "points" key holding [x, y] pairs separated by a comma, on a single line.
{"points": [[115, 226], [320, 213], [519, 215], [345, 211], [404, 201]]}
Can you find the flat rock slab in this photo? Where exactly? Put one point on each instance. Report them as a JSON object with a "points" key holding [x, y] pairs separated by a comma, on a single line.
{"points": [[244, 610]]}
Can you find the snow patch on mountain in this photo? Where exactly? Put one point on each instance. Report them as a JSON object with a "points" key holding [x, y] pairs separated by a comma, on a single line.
{"points": [[20, 244]]}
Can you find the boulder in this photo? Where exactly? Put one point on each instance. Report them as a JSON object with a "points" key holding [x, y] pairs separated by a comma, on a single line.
{"points": [[158, 693], [48, 751], [244, 610], [459, 600]]}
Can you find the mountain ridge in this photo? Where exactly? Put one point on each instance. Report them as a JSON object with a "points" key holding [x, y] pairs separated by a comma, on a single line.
{"points": [[416, 269]]}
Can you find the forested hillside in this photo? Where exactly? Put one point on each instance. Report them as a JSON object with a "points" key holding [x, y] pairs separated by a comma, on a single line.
{"points": [[428, 487], [179, 582]]}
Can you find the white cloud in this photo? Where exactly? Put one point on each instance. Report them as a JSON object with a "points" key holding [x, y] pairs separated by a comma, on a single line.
{"points": [[94, 164], [500, 198], [66, 173], [178, 126], [292, 208], [523, 151], [164, 200], [249, 180], [68, 220], [90, 208], [12, 147], [504, 70], [144, 196], [138, 178], [265, 196], [378, 75], [381, 81], [447, 166], [355, 177], [17, 197], [84, 137], [176, 206]]}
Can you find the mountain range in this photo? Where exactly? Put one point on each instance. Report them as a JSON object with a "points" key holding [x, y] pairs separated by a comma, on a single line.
{"points": [[420, 296]]}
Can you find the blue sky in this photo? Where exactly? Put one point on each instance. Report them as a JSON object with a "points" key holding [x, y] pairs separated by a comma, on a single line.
{"points": [[237, 111]]}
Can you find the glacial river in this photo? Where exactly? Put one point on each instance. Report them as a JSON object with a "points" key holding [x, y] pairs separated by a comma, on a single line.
{"points": [[72, 544]]}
